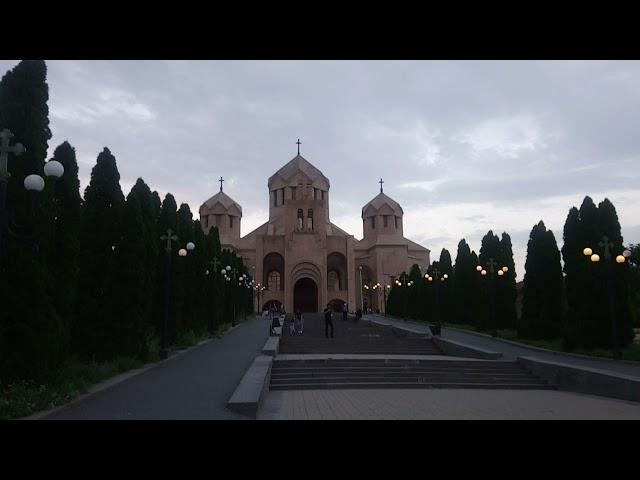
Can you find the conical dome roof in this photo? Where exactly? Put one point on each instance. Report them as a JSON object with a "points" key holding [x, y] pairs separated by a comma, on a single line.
{"points": [[221, 201], [378, 203], [297, 165]]}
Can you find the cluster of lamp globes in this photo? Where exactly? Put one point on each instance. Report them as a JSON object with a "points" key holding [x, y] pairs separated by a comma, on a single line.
{"points": [[596, 258], [259, 287], [35, 183], [483, 272], [183, 252], [430, 278], [377, 285]]}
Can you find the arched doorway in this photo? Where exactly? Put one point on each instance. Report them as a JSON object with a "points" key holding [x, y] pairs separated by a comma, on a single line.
{"points": [[305, 295], [336, 304], [272, 303]]}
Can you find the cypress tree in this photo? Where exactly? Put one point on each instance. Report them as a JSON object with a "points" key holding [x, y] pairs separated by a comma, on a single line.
{"points": [[507, 284], [574, 270], [446, 286], [168, 219], [415, 276], [31, 334], [489, 293], [463, 285], [150, 212], [127, 286], [609, 226], [182, 274], [542, 305], [98, 236], [63, 257]]}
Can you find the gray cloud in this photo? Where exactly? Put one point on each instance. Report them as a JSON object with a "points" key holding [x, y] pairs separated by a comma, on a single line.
{"points": [[463, 146]]}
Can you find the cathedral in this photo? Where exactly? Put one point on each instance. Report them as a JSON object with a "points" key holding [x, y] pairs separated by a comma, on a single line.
{"points": [[305, 261]]}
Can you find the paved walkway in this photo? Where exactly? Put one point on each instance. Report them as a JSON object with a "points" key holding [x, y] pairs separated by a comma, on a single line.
{"points": [[441, 404], [509, 351], [194, 385]]}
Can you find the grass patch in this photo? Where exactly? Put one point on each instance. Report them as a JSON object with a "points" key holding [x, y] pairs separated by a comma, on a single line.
{"points": [[24, 398]]}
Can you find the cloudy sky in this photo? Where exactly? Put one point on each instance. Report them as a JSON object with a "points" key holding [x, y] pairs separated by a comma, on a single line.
{"points": [[464, 146]]}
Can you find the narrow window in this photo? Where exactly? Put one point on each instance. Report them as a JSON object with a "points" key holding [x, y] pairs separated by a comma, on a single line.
{"points": [[293, 193], [273, 282], [385, 220], [310, 219], [373, 222], [300, 214], [230, 221], [396, 218]]}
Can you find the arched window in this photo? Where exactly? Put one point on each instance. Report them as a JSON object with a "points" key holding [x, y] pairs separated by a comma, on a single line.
{"points": [[373, 222], [333, 280], [310, 219], [274, 280], [385, 217], [300, 220], [230, 221], [396, 221]]}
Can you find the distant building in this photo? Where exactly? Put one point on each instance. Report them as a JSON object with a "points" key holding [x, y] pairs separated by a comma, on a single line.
{"points": [[303, 259]]}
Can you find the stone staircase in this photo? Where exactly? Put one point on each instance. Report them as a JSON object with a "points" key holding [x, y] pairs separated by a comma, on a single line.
{"points": [[354, 338], [401, 373]]}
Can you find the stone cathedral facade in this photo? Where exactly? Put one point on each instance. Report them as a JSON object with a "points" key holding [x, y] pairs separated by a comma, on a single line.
{"points": [[303, 259]]}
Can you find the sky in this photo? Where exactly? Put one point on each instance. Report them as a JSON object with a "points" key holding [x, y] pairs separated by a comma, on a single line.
{"points": [[463, 146]]}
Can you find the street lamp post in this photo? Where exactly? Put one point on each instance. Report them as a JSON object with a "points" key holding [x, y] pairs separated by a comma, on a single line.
{"points": [[52, 169], [607, 246], [169, 237], [491, 264], [361, 293]]}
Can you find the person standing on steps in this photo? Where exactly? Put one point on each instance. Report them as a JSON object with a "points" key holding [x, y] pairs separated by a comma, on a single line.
{"points": [[328, 321], [345, 311]]}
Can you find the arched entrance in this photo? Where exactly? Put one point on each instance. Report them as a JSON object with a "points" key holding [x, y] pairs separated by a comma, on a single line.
{"points": [[305, 295], [336, 304]]}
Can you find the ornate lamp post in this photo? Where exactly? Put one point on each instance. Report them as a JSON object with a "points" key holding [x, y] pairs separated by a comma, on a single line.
{"points": [[169, 237], [232, 276], [361, 292], [214, 264], [436, 330], [607, 246], [491, 264], [34, 183]]}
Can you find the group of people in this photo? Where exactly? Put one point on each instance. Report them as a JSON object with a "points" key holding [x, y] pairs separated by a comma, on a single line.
{"points": [[297, 325]]}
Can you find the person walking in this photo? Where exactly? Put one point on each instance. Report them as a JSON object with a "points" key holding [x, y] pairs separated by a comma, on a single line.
{"points": [[345, 311], [299, 322], [328, 321]]}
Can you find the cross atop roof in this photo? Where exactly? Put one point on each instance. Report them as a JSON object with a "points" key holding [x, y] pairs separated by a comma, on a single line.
{"points": [[298, 143], [221, 180], [381, 182]]}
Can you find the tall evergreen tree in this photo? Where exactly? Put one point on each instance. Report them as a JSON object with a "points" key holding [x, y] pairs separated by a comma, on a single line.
{"points": [[98, 236], [446, 286], [609, 226], [63, 257], [507, 285], [126, 287], [31, 334], [542, 304], [464, 285], [150, 213]]}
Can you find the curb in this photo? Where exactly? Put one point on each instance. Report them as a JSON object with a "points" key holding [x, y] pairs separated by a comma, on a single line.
{"points": [[530, 347]]}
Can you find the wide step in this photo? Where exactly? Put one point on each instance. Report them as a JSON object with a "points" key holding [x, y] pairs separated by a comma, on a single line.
{"points": [[366, 373]]}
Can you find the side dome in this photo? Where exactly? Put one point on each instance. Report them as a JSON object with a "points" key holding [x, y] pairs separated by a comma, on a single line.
{"points": [[223, 212], [382, 216]]}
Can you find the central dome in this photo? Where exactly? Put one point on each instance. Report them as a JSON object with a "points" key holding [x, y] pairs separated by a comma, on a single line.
{"points": [[295, 168]]}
